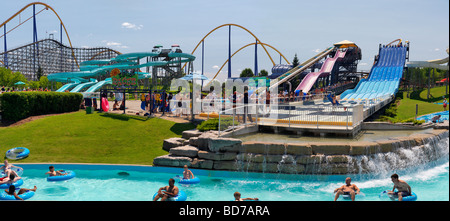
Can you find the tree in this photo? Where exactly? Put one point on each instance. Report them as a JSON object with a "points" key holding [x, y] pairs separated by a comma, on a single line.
{"points": [[295, 62], [263, 73], [246, 73]]}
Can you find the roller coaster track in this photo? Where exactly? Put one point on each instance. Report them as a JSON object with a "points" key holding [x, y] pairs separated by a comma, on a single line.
{"points": [[243, 48], [257, 42], [53, 57], [46, 7]]}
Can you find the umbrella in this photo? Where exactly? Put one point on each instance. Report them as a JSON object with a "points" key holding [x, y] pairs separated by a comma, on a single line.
{"points": [[19, 83], [191, 76]]}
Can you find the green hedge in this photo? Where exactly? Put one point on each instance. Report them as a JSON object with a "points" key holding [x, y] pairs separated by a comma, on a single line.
{"points": [[15, 106], [213, 124]]}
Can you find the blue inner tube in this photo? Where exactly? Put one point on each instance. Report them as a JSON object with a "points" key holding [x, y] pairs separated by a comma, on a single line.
{"points": [[412, 197], [16, 184], [194, 180], [17, 153], [27, 195], [70, 174], [17, 170], [357, 196], [180, 197]]}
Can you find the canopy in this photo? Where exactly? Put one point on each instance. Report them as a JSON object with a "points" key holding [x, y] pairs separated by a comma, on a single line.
{"points": [[345, 44], [19, 83]]}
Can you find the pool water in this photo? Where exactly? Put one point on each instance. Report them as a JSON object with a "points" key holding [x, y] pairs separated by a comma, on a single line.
{"points": [[428, 117], [103, 183]]}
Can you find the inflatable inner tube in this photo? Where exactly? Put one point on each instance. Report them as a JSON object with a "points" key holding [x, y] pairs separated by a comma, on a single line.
{"points": [[16, 184], [194, 180], [105, 104], [27, 195], [412, 197], [357, 196], [17, 170], [180, 197], [70, 174], [17, 153]]}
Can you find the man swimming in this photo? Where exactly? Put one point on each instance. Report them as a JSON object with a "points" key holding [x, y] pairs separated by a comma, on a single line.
{"points": [[54, 172], [347, 189], [402, 187], [169, 191]]}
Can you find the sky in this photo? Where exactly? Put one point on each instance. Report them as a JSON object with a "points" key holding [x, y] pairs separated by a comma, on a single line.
{"points": [[291, 26]]}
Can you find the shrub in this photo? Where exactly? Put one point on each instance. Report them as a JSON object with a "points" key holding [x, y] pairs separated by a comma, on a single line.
{"points": [[15, 106], [213, 124]]}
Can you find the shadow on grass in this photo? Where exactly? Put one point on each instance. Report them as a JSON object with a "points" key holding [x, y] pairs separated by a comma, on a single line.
{"points": [[124, 117], [415, 95], [178, 128]]}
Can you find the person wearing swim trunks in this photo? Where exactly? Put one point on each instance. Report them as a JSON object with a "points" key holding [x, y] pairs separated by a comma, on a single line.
{"points": [[12, 191], [187, 174], [169, 191], [11, 179], [403, 189], [54, 172], [237, 197], [347, 189]]}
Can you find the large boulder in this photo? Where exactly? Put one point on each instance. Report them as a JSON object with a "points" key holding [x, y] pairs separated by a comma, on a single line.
{"points": [[172, 142]]}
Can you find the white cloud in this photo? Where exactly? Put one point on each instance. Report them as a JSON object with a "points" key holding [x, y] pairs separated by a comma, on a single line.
{"points": [[132, 26], [436, 49], [316, 50], [363, 64], [215, 67], [114, 44]]}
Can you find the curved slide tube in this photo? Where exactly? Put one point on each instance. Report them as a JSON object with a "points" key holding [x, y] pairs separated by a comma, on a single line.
{"points": [[309, 80], [93, 69]]}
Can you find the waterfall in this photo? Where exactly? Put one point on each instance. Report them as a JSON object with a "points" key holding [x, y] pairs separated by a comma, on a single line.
{"points": [[404, 158]]}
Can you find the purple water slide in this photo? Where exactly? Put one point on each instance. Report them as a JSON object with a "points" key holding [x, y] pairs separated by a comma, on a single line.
{"points": [[325, 70]]}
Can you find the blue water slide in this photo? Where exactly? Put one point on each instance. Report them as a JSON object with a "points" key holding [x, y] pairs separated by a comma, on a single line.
{"points": [[83, 85], [384, 77]]}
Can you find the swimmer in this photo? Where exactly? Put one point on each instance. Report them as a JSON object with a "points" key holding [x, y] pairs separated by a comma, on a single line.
{"points": [[237, 197], [169, 191], [52, 172], [403, 188], [347, 189], [7, 169], [187, 174], [12, 191]]}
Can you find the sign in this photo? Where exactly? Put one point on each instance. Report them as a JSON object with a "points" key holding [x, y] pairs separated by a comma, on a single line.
{"points": [[124, 79]]}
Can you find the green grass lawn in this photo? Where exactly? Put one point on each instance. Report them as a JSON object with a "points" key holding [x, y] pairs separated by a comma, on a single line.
{"points": [[407, 107], [92, 138]]}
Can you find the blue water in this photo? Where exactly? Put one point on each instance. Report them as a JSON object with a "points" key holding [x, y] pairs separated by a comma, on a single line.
{"points": [[428, 117], [103, 183]]}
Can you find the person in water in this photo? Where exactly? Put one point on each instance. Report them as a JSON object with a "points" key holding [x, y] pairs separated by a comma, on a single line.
{"points": [[187, 174], [7, 169], [403, 189], [237, 197], [169, 191], [12, 191], [54, 172], [12, 179], [348, 189]]}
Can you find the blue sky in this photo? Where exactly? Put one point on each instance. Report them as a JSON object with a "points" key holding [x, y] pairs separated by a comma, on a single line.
{"points": [[293, 27]]}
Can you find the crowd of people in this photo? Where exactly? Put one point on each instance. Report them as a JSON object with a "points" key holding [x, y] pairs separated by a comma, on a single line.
{"points": [[14, 89]]}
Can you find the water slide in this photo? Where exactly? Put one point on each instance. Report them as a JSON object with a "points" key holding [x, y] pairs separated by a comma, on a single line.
{"points": [[95, 68], [437, 63], [300, 68], [324, 71], [384, 77]]}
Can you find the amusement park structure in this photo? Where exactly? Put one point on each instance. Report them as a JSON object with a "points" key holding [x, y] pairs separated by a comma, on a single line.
{"points": [[88, 69]]}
